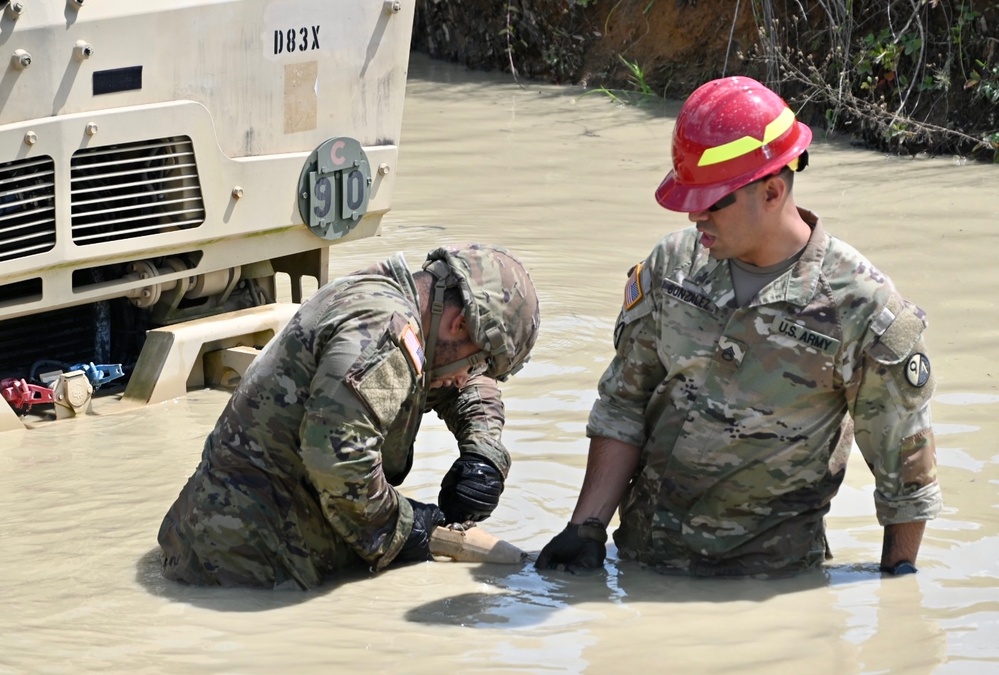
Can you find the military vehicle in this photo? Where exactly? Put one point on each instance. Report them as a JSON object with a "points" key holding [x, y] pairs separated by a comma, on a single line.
{"points": [[165, 168]]}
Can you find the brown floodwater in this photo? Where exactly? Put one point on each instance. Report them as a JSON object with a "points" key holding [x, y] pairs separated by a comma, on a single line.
{"points": [[565, 180]]}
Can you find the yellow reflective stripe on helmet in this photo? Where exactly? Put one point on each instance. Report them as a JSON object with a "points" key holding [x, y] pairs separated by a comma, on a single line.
{"points": [[746, 144]]}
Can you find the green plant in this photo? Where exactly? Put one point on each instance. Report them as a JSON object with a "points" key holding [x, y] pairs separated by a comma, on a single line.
{"points": [[637, 77], [609, 93], [985, 83], [640, 89]]}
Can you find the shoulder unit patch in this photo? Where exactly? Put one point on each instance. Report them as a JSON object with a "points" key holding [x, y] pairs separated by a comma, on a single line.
{"points": [[917, 370]]}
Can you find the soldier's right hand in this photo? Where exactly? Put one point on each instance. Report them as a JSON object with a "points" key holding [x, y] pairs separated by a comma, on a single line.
{"points": [[576, 546], [470, 490], [425, 518]]}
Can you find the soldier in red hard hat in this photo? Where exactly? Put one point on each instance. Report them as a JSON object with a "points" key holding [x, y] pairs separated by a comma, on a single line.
{"points": [[752, 351], [730, 133]]}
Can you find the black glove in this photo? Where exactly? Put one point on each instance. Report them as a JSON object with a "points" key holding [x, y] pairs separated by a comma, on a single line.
{"points": [[898, 569], [470, 490], [576, 545], [425, 518]]}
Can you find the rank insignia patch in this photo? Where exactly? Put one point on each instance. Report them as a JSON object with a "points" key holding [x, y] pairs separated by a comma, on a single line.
{"points": [[633, 289], [412, 343]]}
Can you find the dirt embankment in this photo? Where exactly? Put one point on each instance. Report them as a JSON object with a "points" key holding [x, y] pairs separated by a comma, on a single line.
{"points": [[676, 44], [895, 74]]}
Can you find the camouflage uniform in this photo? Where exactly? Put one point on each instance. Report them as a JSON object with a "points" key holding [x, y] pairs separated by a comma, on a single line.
{"points": [[745, 416], [297, 478]]}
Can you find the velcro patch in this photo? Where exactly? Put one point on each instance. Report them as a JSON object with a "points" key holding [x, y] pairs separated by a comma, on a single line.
{"points": [[899, 337], [384, 384]]}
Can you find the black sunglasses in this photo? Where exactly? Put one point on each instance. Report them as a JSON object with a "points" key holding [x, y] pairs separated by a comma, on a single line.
{"points": [[797, 164], [722, 203], [729, 199]]}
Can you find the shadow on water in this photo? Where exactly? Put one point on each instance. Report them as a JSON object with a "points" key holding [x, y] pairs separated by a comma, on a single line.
{"points": [[149, 575], [527, 597], [521, 595]]}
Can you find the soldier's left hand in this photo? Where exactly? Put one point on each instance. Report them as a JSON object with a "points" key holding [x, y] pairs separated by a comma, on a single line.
{"points": [[470, 490], [426, 517]]}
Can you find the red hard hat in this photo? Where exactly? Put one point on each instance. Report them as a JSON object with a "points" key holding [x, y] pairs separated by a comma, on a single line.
{"points": [[729, 133]]}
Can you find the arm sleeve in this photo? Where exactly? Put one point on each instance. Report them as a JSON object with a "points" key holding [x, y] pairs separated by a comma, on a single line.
{"points": [[475, 415], [359, 386], [891, 414], [636, 369]]}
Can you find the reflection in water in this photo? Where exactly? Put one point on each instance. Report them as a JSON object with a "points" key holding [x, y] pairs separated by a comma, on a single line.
{"points": [[565, 180]]}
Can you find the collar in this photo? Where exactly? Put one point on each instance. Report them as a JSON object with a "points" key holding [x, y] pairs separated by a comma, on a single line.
{"points": [[796, 286], [799, 284]]}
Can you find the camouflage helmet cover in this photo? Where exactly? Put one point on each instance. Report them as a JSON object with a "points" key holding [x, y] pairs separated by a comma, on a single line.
{"points": [[501, 303]]}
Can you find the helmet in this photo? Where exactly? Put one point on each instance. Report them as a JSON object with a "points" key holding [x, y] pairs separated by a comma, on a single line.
{"points": [[730, 132], [501, 303]]}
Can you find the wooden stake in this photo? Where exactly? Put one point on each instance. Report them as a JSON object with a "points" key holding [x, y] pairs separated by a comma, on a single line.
{"points": [[473, 545]]}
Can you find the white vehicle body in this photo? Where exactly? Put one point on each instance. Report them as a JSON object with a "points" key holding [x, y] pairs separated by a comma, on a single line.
{"points": [[160, 163]]}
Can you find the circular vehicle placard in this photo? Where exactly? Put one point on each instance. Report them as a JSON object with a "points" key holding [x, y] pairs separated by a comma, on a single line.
{"points": [[334, 187]]}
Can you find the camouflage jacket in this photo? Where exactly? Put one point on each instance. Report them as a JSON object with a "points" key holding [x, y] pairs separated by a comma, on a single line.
{"points": [[745, 416], [297, 478]]}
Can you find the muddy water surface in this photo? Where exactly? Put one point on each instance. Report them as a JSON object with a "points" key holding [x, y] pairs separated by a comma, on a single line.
{"points": [[566, 181]]}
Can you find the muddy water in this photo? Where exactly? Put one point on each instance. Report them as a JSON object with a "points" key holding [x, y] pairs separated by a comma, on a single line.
{"points": [[566, 181]]}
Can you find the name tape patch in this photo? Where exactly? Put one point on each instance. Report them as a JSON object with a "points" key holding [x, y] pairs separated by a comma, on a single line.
{"points": [[804, 336], [687, 296]]}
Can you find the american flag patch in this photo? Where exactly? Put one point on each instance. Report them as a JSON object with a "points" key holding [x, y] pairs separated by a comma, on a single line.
{"points": [[413, 346], [633, 289]]}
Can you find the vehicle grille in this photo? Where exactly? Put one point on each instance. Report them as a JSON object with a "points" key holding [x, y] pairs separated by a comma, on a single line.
{"points": [[134, 190], [27, 207], [65, 334]]}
